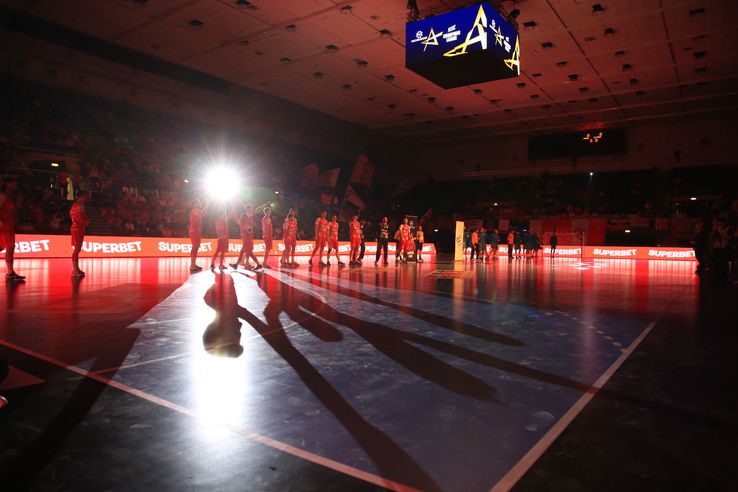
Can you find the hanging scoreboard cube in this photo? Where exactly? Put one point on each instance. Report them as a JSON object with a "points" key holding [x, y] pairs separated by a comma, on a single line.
{"points": [[466, 46]]}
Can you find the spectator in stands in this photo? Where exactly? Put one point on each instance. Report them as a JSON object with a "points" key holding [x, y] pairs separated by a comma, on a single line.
{"points": [[510, 243]]}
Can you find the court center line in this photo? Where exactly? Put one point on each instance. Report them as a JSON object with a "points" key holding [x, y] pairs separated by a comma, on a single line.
{"points": [[280, 446], [515, 473]]}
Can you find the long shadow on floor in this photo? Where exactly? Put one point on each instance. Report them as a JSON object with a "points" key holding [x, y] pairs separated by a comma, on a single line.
{"points": [[455, 350], [34, 458], [393, 462]]}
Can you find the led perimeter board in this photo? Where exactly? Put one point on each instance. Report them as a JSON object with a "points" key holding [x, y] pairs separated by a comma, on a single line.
{"points": [[466, 46]]}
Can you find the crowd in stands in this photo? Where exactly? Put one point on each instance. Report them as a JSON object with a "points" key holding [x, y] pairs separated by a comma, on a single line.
{"points": [[134, 164]]}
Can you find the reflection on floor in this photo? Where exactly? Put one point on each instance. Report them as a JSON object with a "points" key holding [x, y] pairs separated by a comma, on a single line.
{"points": [[433, 376]]}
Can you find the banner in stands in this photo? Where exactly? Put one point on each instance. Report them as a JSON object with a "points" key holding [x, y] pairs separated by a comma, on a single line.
{"points": [[614, 252], [52, 246]]}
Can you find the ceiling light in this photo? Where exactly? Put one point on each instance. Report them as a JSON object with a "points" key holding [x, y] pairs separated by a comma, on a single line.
{"points": [[331, 47], [54, 164], [547, 45], [627, 231], [290, 28], [597, 9], [529, 25], [346, 9], [196, 23], [318, 75], [385, 33], [609, 31]]}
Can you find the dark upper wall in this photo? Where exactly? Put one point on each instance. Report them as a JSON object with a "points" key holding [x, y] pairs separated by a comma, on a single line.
{"points": [[33, 49]]}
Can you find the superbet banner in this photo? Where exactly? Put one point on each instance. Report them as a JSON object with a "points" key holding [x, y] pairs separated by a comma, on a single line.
{"points": [[616, 252], [48, 246]]}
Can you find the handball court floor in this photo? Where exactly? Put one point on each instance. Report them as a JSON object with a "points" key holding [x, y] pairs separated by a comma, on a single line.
{"points": [[547, 375]]}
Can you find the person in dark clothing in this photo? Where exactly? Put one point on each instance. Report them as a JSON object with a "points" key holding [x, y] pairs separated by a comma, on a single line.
{"points": [[494, 240], [535, 244], [482, 244], [699, 244], [382, 241], [362, 248], [518, 243], [554, 241]]}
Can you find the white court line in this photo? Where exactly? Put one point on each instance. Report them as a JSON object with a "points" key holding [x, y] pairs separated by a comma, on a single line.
{"points": [[280, 446], [515, 473]]}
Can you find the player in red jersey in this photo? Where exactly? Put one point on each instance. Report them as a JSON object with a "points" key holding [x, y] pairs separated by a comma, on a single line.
{"points": [[221, 230], [321, 237], [246, 226], [289, 234], [333, 241], [7, 229], [267, 234], [79, 223], [196, 214], [355, 236], [404, 240]]}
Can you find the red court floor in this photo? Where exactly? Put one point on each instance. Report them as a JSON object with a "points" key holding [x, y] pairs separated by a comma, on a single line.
{"points": [[436, 376]]}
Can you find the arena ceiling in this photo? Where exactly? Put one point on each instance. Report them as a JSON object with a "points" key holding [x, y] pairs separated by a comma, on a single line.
{"points": [[582, 65]]}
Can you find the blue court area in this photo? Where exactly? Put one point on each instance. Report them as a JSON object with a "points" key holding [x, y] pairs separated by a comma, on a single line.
{"points": [[394, 373]]}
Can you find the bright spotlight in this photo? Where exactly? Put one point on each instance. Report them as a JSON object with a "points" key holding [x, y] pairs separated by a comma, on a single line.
{"points": [[222, 183], [591, 173], [186, 180], [276, 192], [54, 164], [627, 231], [693, 198]]}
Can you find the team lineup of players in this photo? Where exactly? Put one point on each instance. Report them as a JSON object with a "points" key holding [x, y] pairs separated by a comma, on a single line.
{"points": [[325, 234]]}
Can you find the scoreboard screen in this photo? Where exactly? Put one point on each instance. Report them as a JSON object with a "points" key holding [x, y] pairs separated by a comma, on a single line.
{"points": [[601, 141], [466, 46]]}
